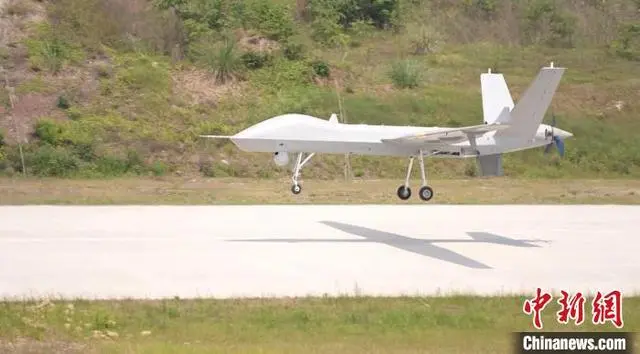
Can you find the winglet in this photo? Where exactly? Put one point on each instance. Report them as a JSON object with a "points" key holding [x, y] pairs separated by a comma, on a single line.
{"points": [[495, 97], [334, 118]]}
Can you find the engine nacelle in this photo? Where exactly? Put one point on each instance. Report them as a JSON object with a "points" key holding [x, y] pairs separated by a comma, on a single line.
{"points": [[281, 158]]}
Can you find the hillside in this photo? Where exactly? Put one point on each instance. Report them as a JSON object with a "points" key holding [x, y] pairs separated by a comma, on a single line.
{"points": [[99, 88]]}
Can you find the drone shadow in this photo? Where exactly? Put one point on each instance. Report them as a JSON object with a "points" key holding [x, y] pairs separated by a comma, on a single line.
{"points": [[423, 247]]}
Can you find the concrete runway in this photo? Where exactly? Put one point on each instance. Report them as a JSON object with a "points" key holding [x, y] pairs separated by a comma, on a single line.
{"points": [[234, 251]]}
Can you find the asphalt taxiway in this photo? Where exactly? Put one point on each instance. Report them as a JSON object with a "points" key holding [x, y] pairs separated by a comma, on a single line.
{"points": [[299, 250]]}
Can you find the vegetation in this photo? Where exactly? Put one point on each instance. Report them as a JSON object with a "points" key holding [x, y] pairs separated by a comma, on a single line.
{"points": [[118, 88], [207, 191], [319, 325]]}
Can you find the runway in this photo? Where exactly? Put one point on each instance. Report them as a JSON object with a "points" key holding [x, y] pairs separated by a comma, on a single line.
{"points": [[299, 250]]}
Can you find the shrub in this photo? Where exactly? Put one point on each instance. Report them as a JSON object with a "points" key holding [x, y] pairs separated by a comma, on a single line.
{"points": [[85, 151], [293, 51], [120, 24], [53, 161], [272, 19], [49, 132], [159, 168], [283, 74], [320, 68], [379, 12], [134, 162], [325, 23], [222, 60], [253, 60], [110, 166], [545, 22], [63, 102], [143, 73], [51, 53], [481, 8], [628, 43], [211, 13], [405, 74]]}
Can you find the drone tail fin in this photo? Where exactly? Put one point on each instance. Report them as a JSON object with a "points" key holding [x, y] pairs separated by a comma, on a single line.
{"points": [[528, 113]]}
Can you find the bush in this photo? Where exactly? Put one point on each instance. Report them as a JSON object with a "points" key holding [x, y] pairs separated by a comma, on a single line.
{"points": [[272, 19], [159, 168], [378, 12], [330, 18], [481, 8], [111, 166], [120, 24], [283, 74], [293, 51], [206, 17], [211, 13], [628, 43], [53, 161], [143, 73], [253, 60], [50, 53], [63, 102], [223, 60], [405, 74], [49, 132], [320, 68], [545, 22]]}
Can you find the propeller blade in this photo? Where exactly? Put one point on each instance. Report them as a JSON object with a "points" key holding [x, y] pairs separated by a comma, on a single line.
{"points": [[548, 148], [559, 144]]}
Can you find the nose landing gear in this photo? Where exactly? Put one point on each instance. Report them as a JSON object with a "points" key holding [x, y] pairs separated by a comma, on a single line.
{"points": [[296, 188]]}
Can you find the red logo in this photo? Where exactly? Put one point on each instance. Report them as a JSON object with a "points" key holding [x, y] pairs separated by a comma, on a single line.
{"points": [[605, 308], [536, 305], [608, 308], [572, 308]]}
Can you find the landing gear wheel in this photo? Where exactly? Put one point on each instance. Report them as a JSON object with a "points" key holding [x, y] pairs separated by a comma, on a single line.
{"points": [[404, 193], [426, 193], [296, 189]]}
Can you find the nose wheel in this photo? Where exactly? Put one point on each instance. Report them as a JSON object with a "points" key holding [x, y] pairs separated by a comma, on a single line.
{"points": [[296, 188], [425, 192]]}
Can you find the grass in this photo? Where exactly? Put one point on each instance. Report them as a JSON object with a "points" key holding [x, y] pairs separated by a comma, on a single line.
{"points": [[293, 325], [172, 190], [155, 93]]}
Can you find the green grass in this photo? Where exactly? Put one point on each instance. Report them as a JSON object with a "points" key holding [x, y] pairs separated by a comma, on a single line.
{"points": [[142, 96], [453, 324], [205, 191]]}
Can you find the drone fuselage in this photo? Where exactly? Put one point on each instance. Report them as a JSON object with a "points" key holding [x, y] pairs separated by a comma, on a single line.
{"points": [[295, 133]]}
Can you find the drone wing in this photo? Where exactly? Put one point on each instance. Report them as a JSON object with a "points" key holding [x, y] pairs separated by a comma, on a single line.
{"points": [[446, 135]]}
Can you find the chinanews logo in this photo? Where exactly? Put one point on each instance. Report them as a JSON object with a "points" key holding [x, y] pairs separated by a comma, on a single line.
{"points": [[605, 307]]}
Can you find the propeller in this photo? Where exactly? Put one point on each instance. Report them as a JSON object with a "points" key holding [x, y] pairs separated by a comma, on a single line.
{"points": [[555, 139]]}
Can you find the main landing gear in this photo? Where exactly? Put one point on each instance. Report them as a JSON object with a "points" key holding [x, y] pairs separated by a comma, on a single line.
{"points": [[425, 192], [296, 188]]}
